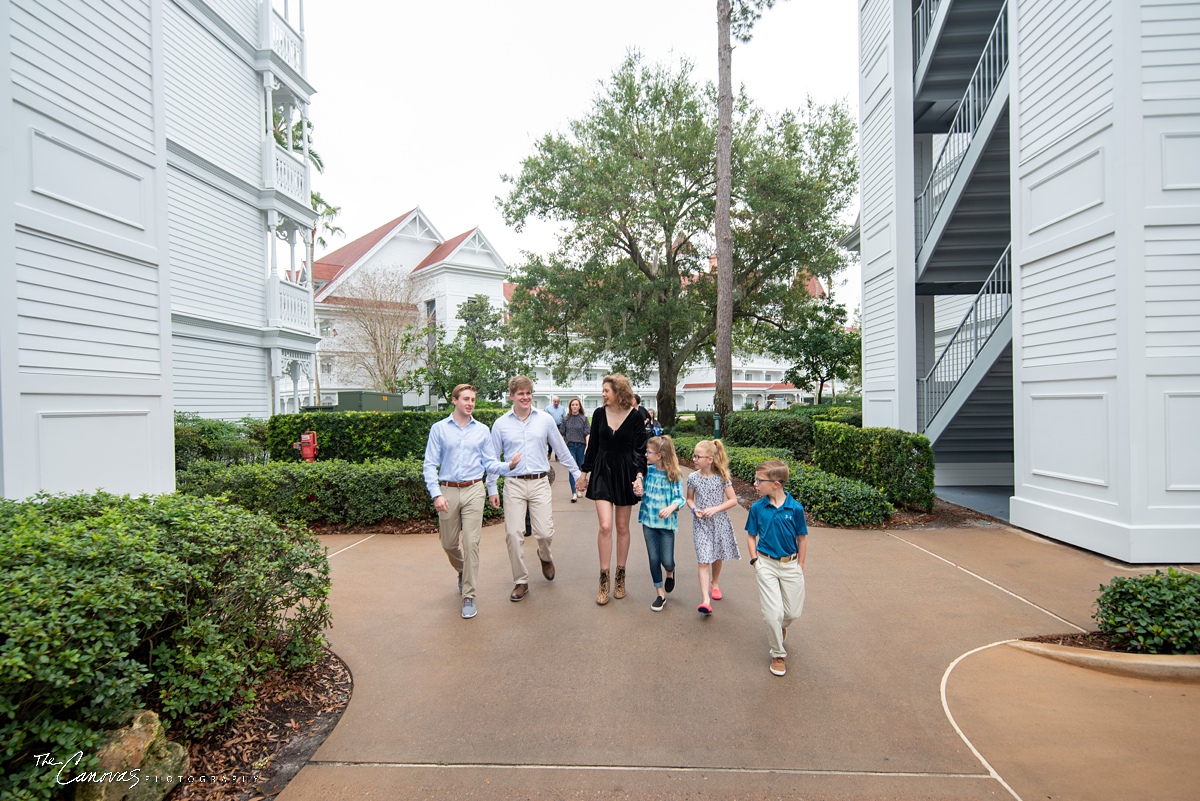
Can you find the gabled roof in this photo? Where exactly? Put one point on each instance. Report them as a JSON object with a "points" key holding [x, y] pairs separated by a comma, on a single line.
{"points": [[335, 267], [472, 240]]}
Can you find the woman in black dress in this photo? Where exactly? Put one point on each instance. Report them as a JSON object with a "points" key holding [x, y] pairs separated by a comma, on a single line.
{"points": [[612, 475]]}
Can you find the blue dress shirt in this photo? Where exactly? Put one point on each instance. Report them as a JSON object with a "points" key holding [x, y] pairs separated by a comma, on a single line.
{"points": [[463, 453], [530, 438]]}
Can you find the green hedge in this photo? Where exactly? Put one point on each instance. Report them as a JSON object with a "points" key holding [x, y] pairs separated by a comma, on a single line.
{"points": [[173, 603], [831, 499], [1158, 614], [898, 463], [333, 491], [771, 429], [199, 438], [359, 436]]}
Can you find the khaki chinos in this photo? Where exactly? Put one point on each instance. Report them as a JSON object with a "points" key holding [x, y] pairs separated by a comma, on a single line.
{"points": [[532, 494], [461, 529], [781, 595]]}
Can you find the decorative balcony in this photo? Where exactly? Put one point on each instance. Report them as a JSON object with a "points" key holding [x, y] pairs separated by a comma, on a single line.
{"points": [[290, 305], [281, 40], [285, 173]]}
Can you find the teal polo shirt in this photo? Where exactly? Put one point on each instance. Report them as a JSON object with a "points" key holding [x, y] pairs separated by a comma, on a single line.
{"points": [[777, 527]]}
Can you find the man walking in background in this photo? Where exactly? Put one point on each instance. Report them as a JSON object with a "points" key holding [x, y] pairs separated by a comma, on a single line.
{"points": [[459, 456], [559, 414], [528, 433]]}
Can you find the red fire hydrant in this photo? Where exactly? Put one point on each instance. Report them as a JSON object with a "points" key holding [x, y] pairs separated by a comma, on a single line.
{"points": [[307, 446]]}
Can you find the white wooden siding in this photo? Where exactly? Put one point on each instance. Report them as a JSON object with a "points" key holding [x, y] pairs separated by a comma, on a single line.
{"points": [[242, 16], [1065, 73], [402, 252], [213, 102], [92, 61], [1173, 291], [220, 379], [879, 330], [218, 258], [85, 312], [1170, 49], [1069, 306]]}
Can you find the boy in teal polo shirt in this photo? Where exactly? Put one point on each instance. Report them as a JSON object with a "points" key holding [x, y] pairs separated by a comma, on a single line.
{"points": [[777, 537]]}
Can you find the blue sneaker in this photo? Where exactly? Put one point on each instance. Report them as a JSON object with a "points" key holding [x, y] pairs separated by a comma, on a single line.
{"points": [[469, 610]]}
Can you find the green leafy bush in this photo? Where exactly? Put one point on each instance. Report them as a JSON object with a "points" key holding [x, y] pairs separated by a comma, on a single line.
{"points": [[704, 423], [839, 414], [1158, 614], [171, 602], [898, 463], [772, 429], [200, 438], [831, 499], [333, 491], [359, 436]]}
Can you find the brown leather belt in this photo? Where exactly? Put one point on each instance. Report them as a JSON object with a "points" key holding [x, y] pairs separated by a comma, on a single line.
{"points": [[791, 558], [531, 475], [460, 484]]}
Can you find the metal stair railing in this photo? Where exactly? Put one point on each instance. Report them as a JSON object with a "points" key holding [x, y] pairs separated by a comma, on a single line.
{"points": [[992, 64], [922, 25], [981, 320]]}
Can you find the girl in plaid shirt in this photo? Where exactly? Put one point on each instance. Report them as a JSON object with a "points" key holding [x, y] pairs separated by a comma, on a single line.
{"points": [[662, 496]]}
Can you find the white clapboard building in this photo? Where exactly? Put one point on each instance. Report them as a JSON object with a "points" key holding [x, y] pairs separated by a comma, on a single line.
{"points": [[447, 273], [1033, 168], [152, 232]]}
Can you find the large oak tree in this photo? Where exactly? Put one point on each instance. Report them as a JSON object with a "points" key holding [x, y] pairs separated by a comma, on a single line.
{"points": [[633, 184]]}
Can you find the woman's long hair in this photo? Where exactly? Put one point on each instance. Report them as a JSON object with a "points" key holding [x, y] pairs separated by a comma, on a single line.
{"points": [[574, 400], [666, 449]]}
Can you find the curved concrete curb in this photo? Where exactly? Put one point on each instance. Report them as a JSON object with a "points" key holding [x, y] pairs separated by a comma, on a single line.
{"points": [[1183, 668]]}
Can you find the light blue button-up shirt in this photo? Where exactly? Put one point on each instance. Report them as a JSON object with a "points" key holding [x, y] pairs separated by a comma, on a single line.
{"points": [[510, 436], [460, 453]]}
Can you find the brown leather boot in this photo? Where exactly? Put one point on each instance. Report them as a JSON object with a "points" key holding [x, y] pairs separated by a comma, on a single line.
{"points": [[619, 589], [602, 594]]}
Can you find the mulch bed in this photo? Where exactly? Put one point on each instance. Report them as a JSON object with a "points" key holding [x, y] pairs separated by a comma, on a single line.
{"points": [[254, 757], [1087, 639]]}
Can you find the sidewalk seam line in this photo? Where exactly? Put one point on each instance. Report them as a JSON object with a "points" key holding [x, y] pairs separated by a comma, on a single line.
{"points": [[348, 547], [649, 768], [992, 583], [954, 723]]}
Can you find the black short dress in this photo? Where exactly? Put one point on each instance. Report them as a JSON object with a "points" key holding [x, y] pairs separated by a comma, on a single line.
{"points": [[614, 459]]}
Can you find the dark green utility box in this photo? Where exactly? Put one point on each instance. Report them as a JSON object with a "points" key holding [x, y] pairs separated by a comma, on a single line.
{"points": [[359, 401]]}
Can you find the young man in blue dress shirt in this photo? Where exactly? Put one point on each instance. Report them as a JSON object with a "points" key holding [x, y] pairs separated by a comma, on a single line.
{"points": [[459, 457], [777, 537], [528, 432]]}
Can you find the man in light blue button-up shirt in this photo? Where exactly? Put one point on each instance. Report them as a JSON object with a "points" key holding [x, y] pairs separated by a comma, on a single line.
{"points": [[459, 458], [527, 431]]}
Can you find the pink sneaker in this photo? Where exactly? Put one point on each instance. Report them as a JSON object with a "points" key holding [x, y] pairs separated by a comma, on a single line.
{"points": [[716, 593]]}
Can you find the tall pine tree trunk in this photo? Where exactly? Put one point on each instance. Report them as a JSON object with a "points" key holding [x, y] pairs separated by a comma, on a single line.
{"points": [[723, 395], [668, 380]]}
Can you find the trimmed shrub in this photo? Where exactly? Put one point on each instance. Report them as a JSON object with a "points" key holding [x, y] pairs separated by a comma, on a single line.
{"points": [[174, 603], [831, 499], [704, 423], [359, 436], [897, 463], [772, 429], [200, 438], [840, 414], [1158, 614], [333, 491]]}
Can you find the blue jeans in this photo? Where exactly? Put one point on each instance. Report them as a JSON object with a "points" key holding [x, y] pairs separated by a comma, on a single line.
{"points": [[660, 547], [577, 453]]}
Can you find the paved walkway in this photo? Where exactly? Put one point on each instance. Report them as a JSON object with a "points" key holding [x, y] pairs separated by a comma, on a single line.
{"points": [[898, 651]]}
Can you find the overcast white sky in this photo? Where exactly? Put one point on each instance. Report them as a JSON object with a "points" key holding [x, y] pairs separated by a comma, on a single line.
{"points": [[429, 103]]}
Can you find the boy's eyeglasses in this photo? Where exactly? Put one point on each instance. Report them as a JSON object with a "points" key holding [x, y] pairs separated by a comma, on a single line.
{"points": [[765, 481]]}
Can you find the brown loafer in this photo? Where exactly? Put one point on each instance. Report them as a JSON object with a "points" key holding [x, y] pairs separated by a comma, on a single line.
{"points": [[548, 570], [519, 592]]}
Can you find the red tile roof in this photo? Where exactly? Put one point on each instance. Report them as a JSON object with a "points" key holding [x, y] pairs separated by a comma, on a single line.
{"points": [[332, 265], [443, 251], [508, 291], [768, 385]]}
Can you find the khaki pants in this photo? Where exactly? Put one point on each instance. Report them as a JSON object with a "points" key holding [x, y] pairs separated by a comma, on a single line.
{"points": [[461, 528], [532, 494], [781, 596]]}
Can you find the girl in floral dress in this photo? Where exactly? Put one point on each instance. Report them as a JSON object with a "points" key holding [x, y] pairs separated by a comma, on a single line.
{"points": [[710, 495]]}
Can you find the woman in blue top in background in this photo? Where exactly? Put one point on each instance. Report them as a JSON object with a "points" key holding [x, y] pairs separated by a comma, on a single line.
{"points": [[662, 497]]}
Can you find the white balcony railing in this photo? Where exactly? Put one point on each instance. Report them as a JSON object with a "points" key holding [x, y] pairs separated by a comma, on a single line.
{"points": [[286, 43], [984, 82], [285, 173], [294, 306], [922, 25], [978, 324]]}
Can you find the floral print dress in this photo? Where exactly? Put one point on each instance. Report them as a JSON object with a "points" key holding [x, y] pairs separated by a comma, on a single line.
{"points": [[713, 536]]}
